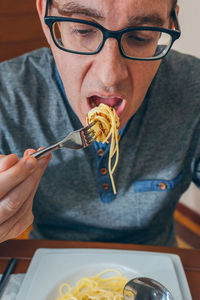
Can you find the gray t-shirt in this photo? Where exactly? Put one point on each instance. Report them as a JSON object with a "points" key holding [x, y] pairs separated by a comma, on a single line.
{"points": [[159, 153]]}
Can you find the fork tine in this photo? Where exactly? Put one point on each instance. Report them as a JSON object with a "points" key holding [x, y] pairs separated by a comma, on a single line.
{"points": [[90, 136], [89, 133], [91, 140], [85, 129]]}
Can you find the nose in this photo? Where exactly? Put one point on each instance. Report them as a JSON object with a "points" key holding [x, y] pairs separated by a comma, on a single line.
{"points": [[109, 65]]}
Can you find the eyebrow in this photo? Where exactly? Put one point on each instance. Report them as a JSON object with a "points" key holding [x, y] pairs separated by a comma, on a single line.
{"points": [[152, 19], [73, 8]]}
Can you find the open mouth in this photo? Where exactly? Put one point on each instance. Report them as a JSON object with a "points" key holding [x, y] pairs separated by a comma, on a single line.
{"points": [[117, 103]]}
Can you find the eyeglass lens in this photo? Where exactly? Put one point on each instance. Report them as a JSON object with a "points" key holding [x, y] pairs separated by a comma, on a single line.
{"points": [[84, 38]]}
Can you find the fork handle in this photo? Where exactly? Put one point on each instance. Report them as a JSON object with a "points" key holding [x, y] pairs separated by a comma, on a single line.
{"points": [[45, 151]]}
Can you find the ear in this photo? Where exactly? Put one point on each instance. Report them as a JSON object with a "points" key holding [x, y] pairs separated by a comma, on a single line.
{"points": [[41, 5], [177, 9]]}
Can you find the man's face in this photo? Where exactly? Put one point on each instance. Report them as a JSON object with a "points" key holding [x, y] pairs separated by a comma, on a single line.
{"points": [[107, 76]]}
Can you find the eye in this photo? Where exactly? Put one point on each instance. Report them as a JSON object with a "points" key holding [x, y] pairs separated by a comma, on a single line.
{"points": [[138, 37], [84, 30]]}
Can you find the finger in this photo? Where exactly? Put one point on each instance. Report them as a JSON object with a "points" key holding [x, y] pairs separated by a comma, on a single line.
{"points": [[20, 226], [23, 218], [15, 225], [31, 151], [13, 200], [18, 173], [28, 152], [7, 161]]}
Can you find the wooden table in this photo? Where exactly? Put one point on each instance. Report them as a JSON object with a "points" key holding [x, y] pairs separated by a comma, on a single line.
{"points": [[23, 250]]}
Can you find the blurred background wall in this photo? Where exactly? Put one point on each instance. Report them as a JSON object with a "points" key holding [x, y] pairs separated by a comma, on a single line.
{"points": [[20, 29], [189, 18]]}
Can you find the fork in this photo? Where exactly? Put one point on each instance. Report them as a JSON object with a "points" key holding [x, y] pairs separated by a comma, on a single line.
{"points": [[76, 140]]}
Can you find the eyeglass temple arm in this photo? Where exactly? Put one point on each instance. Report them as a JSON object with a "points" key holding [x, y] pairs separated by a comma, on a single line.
{"points": [[175, 18], [46, 9]]}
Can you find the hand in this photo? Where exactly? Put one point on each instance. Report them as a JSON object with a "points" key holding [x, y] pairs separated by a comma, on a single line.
{"points": [[19, 179]]}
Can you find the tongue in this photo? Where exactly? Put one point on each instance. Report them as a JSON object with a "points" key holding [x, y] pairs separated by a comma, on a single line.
{"points": [[109, 101]]}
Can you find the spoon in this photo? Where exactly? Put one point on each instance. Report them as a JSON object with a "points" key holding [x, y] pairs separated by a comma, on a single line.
{"points": [[143, 288]]}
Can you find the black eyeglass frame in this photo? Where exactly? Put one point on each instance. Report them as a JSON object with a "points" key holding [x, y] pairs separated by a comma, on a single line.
{"points": [[175, 34]]}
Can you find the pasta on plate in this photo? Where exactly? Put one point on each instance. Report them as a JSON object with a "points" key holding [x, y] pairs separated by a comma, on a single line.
{"points": [[99, 287]]}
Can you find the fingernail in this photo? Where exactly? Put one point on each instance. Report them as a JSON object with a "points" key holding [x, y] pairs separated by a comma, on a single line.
{"points": [[30, 164], [30, 152]]}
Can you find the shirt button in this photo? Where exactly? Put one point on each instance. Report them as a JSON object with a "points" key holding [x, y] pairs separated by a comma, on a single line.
{"points": [[105, 186], [100, 152], [162, 186], [103, 171]]}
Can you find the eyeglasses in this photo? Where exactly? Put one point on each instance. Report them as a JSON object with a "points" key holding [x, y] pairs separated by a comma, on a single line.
{"points": [[88, 38]]}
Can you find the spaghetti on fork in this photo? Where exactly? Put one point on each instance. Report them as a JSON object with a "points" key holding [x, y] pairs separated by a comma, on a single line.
{"points": [[106, 130]]}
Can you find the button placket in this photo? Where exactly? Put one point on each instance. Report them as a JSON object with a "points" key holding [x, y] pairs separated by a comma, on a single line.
{"points": [[105, 179], [104, 182]]}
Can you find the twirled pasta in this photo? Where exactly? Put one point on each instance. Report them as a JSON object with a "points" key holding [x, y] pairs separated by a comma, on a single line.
{"points": [[106, 129], [99, 287]]}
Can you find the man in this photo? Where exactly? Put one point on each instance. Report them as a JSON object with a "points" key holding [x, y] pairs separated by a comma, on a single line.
{"points": [[99, 56]]}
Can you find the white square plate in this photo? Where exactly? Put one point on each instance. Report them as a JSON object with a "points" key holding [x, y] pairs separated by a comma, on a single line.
{"points": [[51, 267]]}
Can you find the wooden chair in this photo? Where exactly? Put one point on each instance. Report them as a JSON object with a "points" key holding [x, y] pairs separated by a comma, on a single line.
{"points": [[20, 29]]}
